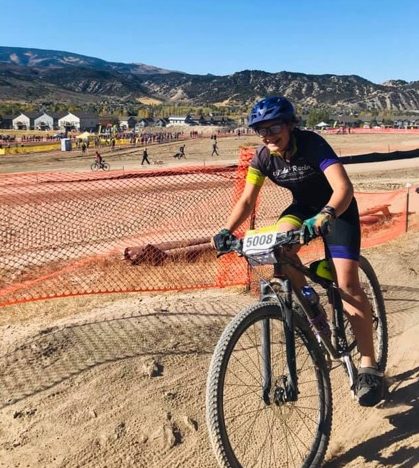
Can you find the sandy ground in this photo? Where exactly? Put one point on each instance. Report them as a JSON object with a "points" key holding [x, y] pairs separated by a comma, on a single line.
{"points": [[119, 380], [197, 151]]}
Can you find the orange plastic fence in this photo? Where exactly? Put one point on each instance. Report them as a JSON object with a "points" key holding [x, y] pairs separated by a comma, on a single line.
{"points": [[71, 234], [347, 130]]}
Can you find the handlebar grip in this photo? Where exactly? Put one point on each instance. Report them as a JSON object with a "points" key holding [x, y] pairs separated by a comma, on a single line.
{"points": [[235, 246]]}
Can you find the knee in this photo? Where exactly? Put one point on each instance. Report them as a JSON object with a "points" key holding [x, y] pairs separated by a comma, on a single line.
{"points": [[350, 289]]}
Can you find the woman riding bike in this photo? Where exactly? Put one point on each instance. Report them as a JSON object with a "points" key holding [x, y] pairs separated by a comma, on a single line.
{"points": [[323, 203], [98, 159]]}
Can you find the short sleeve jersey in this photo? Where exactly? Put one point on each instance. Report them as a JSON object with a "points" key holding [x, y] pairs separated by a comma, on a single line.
{"points": [[303, 175]]}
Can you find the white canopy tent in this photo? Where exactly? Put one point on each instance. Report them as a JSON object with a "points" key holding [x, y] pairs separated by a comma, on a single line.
{"points": [[322, 125], [85, 135]]}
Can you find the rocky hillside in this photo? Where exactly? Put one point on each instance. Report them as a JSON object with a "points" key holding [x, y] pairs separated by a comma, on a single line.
{"points": [[37, 75], [39, 58]]}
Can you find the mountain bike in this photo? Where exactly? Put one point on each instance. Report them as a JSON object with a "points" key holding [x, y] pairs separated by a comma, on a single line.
{"points": [[269, 397], [95, 166], [179, 156]]}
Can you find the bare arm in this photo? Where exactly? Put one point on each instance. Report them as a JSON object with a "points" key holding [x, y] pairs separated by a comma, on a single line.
{"points": [[243, 207], [341, 186]]}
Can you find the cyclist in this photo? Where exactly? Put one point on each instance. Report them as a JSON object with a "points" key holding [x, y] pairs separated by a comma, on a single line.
{"points": [[303, 162], [99, 159], [181, 153]]}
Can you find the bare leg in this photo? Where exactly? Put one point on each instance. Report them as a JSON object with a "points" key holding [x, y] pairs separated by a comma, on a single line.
{"points": [[357, 307], [297, 278]]}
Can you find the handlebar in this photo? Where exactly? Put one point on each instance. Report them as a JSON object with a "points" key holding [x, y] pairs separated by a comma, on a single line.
{"points": [[282, 239]]}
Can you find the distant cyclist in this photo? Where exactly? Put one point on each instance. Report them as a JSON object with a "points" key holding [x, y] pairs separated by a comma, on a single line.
{"points": [[99, 159], [181, 153], [323, 203]]}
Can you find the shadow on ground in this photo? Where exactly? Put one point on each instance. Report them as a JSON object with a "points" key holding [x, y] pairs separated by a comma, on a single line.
{"points": [[405, 424], [56, 354]]}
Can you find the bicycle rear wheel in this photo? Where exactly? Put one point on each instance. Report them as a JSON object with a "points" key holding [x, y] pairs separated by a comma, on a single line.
{"points": [[244, 430], [371, 286]]}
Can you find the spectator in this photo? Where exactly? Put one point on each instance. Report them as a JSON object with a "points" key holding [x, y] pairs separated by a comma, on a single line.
{"points": [[145, 157], [214, 148]]}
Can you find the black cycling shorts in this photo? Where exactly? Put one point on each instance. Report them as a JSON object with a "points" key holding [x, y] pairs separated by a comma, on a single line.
{"points": [[344, 238]]}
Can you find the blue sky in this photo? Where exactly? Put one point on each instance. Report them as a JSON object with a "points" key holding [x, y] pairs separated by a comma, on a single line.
{"points": [[378, 40]]}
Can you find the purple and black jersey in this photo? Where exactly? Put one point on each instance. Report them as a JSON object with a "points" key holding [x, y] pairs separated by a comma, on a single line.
{"points": [[303, 174]]}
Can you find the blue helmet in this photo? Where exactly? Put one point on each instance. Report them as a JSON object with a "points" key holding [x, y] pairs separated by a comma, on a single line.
{"points": [[272, 108]]}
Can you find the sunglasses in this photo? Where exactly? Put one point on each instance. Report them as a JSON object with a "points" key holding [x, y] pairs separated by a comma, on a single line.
{"points": [[272, 130]]}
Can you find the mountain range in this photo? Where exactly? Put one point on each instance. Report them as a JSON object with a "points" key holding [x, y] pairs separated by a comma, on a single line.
{"points": [[37, 75]]}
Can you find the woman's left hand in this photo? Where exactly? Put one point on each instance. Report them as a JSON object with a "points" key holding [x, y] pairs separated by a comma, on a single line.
{"points": [[318, 225]]}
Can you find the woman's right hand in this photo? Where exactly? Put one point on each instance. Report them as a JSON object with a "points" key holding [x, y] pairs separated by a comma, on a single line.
{"points": [[223, 240]]}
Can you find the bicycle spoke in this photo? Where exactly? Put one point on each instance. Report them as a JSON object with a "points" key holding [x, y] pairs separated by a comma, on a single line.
{"points": [[259, 355], [245, 368], [240, 385], [226, 400], [299, 408], [303, 419], [281, 433], [292, 439], [265, 440], [242, 414], [252, 425]]}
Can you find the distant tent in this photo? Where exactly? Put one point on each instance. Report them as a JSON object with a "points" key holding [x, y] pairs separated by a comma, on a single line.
{"points": [[84, 136], [322, 125]]}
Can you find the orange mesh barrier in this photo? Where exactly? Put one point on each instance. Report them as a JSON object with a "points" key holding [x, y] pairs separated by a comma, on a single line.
{"points": [[348, 130], [66, 234]]}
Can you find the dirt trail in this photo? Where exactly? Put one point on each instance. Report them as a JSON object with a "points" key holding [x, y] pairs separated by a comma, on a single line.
{"points": [[198, 151], [76, 385]]}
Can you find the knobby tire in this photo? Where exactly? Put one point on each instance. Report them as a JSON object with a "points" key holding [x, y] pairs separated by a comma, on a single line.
{"points": [[298, 432]]}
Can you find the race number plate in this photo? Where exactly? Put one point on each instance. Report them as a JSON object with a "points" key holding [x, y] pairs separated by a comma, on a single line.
{"points": [[259, 240]]}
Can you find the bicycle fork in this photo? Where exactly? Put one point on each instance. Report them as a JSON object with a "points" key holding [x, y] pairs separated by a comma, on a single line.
{"points": [[285, 387]]}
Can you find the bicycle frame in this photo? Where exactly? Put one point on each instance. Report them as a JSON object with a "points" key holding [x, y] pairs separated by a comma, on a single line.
{"points": [[336, 346]]}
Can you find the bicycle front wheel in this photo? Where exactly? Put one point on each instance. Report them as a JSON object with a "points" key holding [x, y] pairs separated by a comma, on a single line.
{"points": [[94, 167], [245, 430], [106, 167]]}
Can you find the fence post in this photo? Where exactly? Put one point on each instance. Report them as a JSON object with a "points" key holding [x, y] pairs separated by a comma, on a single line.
{"points": [[408, 185]]}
